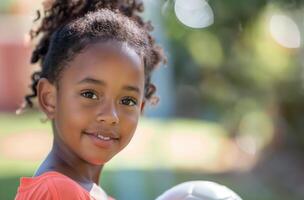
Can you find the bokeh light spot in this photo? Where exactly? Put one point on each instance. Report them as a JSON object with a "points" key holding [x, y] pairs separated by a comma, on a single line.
{"points": [[285, 31], [194, 13]]}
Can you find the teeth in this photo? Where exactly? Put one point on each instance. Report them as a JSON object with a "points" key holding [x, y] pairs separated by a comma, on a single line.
{"points": [[103, 137]]}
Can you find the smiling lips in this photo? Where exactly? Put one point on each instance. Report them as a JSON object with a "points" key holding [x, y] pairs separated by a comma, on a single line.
{"points": [[104, 140], [103, 136]]}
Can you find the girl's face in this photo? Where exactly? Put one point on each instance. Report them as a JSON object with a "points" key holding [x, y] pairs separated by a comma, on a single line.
{"points": [[99, 101]]}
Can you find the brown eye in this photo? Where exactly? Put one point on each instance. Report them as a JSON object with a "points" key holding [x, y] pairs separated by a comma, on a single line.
{"points": [[89, 95], [129, 101]]}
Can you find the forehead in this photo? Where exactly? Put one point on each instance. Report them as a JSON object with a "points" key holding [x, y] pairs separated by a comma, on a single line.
{"points": [[108, 51], [106, 58]]}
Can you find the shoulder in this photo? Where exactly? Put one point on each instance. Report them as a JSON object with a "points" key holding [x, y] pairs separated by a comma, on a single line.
{"points": [[50, 186], [66, 188]]}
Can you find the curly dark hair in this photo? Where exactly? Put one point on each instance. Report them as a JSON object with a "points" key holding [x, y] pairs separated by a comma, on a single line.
{"points": [[68, 26]]}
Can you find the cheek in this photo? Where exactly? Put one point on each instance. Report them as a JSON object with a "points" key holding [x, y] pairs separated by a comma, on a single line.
{"points": [[70, 115], [129, 124]]}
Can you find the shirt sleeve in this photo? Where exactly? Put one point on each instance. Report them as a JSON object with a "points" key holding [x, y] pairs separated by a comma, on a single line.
{"points": [[39, 192], [53, 189], [62, 189]]}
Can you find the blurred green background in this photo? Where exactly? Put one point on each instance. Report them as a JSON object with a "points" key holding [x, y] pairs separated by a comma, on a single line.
{"points": [[230, 110]]}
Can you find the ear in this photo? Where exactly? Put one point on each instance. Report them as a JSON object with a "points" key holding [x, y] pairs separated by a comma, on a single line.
{"points": [[142, 106], [46, 93]]}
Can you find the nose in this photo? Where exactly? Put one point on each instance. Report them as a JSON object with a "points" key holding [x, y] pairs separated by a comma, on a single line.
{"points": [[108, 113]]}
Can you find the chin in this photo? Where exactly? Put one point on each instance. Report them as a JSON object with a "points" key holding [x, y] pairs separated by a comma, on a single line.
{"points": [[99, 161]]}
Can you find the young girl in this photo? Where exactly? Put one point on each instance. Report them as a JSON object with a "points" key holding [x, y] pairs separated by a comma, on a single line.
{"points": [[96, 59]]}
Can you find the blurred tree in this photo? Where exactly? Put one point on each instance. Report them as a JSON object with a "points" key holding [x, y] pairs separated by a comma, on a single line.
{"points": [[234, 68]]}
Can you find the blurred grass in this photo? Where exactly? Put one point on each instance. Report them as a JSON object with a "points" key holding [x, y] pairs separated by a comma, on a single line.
{"points": [[10, 122]]}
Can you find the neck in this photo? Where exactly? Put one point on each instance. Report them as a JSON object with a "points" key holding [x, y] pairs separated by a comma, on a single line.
{"points": [[62, 160]]}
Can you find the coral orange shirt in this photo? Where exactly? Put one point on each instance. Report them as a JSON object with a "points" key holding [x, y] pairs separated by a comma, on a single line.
{"points": [[56, 186]]}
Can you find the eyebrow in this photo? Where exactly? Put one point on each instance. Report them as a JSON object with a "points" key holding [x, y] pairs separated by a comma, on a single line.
{"points": [[103, 83], [92, 81], [131, 88]]}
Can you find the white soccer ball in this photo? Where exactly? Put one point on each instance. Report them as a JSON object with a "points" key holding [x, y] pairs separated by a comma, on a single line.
{"points": [[199, 190]]}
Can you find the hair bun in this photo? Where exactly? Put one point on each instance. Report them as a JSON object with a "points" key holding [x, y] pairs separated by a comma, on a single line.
{"points": [[126, 7], [60, 12]]}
